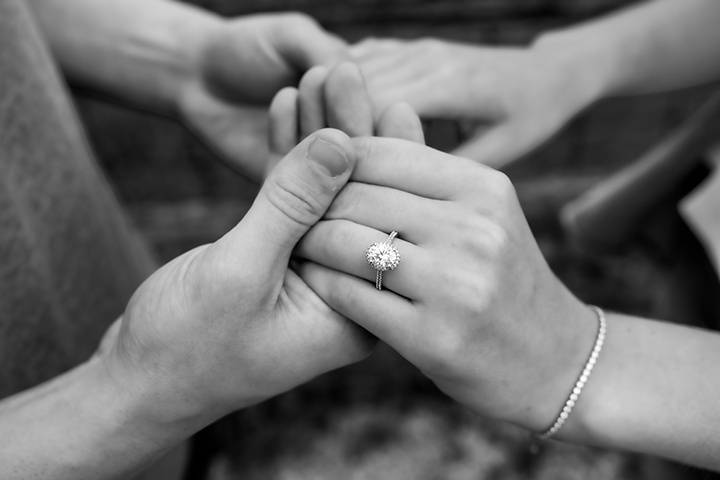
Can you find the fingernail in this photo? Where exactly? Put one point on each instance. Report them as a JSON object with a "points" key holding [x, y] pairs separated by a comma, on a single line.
{"points": [[329, 156]]}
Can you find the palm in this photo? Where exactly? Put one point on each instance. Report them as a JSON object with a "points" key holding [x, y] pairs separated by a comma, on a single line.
{"points": [[235, 132], [308, 328], [241, 66]]}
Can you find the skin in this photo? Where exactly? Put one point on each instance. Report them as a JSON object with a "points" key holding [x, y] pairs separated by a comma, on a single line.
{"points": [[522, 96], [297, 112], [475, 306], [222, 327], [214, 75], [219, 328]]}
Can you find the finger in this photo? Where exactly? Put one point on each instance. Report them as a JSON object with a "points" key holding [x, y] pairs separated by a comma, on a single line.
{"points": [[293, 198], [336, 340], [109, 338], [372, 47], [305, 44], [415, 168], [341, 245], [311, 101], [283, 127], [387, 209], [347, 104], [401, 121], [384, 314], [494, 148]]}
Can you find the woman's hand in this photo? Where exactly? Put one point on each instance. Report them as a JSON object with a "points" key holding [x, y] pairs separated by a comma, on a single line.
{"points": [[473, 303], [521, 96]]}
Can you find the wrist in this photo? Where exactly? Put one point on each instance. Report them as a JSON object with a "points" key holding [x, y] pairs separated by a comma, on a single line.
{"points": [[565, 356], [584, 77], [79, 425], [153, 406], [138, 405]]}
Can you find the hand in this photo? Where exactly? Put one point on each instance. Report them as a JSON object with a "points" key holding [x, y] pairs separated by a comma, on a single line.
{"points": [[240, 65], [334, 98], [473, 303], [229, 324], [269, 331], [521, 96]]}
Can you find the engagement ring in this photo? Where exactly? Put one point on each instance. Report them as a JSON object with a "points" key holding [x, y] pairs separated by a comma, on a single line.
{"points": [[383, 257]]}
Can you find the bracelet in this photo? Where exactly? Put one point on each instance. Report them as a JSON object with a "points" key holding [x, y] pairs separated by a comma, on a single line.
{"points": [[582, 379]]}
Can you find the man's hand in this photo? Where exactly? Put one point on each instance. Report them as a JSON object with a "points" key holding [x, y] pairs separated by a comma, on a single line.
{"points": [[240, 65], [232, 319], [521, 96], [229, 324], [219, 328], [224, 326], [216, 75]]}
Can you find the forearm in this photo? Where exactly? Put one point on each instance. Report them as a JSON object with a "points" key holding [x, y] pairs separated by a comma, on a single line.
{"points": [[81, 425], [655, 390], [658, 45], [138, 51]]}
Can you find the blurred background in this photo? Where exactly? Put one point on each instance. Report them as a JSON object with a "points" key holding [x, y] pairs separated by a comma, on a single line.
{"points": [[381, 419]]}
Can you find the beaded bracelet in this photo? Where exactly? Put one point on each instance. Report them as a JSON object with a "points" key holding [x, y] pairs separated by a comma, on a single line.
{"points": [[582, 379]]}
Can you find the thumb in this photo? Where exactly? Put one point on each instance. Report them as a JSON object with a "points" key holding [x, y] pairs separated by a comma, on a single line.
{"points": [[294, 197]]}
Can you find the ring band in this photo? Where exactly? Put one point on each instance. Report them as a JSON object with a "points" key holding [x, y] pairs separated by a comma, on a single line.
{"points": [[382, 256]]}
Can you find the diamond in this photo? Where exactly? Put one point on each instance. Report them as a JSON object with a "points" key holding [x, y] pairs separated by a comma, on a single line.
{"points": [[382, 257]]}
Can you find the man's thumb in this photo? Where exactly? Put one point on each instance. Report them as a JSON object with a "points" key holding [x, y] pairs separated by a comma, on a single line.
{"points": [[295, 196]]}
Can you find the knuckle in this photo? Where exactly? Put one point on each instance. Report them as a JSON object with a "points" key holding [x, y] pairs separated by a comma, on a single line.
{"points": [[368, 44], [299, 20], [493, 240], [500, 184], [205, 275], [489, 191], [479, 234], [475, 176], [295, 199], [448, 347], [467, 223], [365, 149], [469, 288]]}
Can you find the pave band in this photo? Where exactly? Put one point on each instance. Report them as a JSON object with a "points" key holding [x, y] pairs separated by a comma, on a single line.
{"points": [[382, 256], [582, 379]]}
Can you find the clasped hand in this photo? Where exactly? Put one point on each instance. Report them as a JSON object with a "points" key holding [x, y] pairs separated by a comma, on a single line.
{"points": [[473, 303]]}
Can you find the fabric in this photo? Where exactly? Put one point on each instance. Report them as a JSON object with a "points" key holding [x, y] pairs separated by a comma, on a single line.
{"points": [[68, 259]]}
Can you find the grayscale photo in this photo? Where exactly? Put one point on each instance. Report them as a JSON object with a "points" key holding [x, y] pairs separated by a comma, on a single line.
{"points": [[359, 240]]}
